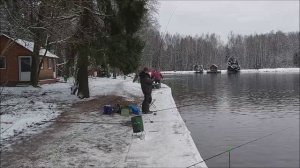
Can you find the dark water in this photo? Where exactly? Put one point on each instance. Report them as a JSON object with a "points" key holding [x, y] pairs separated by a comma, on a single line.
{"points": [[236, 108]]}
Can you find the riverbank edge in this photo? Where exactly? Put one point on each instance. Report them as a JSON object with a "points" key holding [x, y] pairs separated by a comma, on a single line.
{"points": [[167, 141], [265, 70]]}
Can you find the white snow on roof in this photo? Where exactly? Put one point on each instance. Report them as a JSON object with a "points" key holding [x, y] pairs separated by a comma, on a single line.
{"points": [[48, 54], [29, 45]]}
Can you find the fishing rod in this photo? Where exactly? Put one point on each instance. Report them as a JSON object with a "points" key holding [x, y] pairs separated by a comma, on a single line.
{"points": [[122, 123], [211, 157], [100, 123], [186, 105], [84, 122], [161, 42]]}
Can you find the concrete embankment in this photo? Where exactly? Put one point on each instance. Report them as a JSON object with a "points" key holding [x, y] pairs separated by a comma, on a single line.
{"points": [[167, 141]]}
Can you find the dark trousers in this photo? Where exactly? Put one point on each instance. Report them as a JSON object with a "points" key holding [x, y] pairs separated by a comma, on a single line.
{"points": [[157, 84], [146, 102]]}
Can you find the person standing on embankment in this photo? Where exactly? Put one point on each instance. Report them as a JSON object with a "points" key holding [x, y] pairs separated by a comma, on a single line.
{"points": [[146, 84], [157, 76]]}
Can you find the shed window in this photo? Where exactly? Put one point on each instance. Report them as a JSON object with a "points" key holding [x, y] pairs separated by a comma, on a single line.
{"points": [[2, 62], [49, 63]]}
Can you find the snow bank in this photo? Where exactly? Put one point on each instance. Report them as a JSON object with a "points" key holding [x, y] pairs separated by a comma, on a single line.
{"points": [[284, 70], [177, 72]]}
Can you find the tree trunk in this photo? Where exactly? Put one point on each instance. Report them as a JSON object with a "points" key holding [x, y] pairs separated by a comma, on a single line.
{"points": [[34, 77], [41, 59], [38, 38], [82, 76]]}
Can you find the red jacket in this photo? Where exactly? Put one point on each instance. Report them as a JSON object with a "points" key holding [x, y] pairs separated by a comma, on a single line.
{"points": [[156, 75]]}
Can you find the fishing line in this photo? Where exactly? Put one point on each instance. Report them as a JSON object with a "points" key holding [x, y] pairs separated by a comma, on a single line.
{"points": [[84, 122], [161, 42], [95, 122], [171, 18], [239, 146], [186, 105]]}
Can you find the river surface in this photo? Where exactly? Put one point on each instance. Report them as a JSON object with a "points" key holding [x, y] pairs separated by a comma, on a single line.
{"points": [[234, 109]]}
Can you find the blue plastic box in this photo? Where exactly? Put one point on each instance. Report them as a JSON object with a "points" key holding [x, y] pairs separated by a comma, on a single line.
{"points": [[135, 109], [107, 109]]}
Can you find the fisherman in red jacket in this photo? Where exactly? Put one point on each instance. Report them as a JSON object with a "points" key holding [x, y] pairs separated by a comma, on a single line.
{"points": [[157, 76]]}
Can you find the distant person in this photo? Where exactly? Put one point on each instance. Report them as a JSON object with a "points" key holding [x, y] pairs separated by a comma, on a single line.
{"points": [[146, 85], [157, 76]]}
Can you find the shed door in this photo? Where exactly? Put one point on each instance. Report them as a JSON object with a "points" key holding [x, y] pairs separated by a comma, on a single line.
{"points": [[24, 68]]}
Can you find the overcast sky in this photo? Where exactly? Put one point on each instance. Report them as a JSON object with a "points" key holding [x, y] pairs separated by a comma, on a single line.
{"points": [[221, 17]]}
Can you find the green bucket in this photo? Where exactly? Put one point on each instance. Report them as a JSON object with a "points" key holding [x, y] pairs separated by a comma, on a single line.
{"points": [[137, 124]]}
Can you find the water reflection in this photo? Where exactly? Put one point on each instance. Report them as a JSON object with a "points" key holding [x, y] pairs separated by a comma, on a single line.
{"points": [[235, 108]]}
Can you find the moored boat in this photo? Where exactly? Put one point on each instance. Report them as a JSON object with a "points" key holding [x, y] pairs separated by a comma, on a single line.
{"points": [[213, 69]]}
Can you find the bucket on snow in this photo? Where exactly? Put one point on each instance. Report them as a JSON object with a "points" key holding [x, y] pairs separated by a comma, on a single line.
{"points": [[125, 111], [107, 109], [137, 124]]}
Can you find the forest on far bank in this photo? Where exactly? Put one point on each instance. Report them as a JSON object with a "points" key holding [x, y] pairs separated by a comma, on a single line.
{"points": [[256, 51]]}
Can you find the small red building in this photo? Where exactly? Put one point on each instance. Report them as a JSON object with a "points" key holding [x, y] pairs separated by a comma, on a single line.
{"points": [[15, 62]]}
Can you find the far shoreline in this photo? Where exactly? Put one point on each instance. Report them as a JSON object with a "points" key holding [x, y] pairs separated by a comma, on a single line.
{"points": [[264, 70]]}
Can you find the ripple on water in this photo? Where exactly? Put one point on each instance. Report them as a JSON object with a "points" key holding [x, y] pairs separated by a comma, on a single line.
{"points": [[232, 110]]}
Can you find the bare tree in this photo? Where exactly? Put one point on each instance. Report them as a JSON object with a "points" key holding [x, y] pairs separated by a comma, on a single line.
{"points": [[253, 51]]}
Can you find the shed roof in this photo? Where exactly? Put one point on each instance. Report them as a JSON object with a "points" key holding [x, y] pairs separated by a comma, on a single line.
{"points": [[29, 45]]}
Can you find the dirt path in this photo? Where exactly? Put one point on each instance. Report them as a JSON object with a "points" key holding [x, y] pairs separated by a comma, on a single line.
{"points": [[98, 141]]}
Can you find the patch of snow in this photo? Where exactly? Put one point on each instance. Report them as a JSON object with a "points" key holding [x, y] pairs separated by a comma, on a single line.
{"points": [[27, 44], [48, 54], [177, 72], [23, 109], [284, 70]]}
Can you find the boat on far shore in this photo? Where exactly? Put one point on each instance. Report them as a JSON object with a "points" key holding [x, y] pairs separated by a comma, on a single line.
{"points": [[213, 69]]}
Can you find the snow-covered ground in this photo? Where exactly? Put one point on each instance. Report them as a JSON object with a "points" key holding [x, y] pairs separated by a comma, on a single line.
{"points": [[24, 108], [167, 141], [283, 70]]}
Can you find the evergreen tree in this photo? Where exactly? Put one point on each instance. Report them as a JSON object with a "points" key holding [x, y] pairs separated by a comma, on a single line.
{"points": [[125, 46], [296, 59], [86, 39]]}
